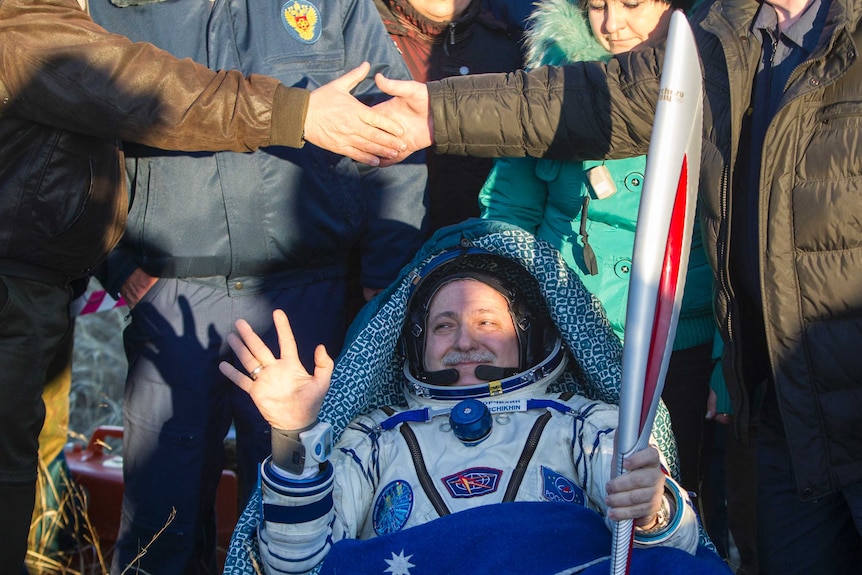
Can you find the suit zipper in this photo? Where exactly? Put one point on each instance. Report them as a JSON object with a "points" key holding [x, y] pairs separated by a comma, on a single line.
{"points": [[422, 471], [526, 456]]}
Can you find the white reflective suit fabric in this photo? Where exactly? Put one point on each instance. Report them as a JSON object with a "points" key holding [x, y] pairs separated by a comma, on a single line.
{"points": [[376, 489]]}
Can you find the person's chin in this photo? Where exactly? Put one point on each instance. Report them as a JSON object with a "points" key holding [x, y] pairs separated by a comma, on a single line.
{"points": [[623, 46], [468, 381]]}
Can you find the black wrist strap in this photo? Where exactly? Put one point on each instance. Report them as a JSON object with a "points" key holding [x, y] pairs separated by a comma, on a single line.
{"points": [[288, 452]]}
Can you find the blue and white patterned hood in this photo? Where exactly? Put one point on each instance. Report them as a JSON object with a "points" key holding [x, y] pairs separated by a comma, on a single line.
{"points": [[369, 372]]}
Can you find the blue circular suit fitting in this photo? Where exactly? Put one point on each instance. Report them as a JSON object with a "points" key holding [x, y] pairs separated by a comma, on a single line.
{"points": [[471, 421]]}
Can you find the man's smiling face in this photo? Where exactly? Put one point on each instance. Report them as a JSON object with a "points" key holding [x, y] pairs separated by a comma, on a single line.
{"points": [[469, 324]]}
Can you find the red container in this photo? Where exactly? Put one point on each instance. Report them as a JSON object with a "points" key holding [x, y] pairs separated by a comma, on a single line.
{"points": [[101, 475]]}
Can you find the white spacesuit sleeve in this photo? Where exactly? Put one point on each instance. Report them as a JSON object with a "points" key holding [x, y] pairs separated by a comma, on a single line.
{"points": [[595, 439], [294, 534], [677, 526], [303, 515]]}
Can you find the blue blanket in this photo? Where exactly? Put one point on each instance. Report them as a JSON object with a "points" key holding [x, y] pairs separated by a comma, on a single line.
{"points": [[534, 538]]}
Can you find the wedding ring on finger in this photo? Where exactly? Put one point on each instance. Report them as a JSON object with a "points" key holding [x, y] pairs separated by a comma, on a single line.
{"points": [[253, 373]]}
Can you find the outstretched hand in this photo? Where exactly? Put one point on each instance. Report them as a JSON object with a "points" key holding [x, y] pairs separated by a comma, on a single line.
{"points": [[409, 108], [287, 396], [637, 494], [340, 123]]}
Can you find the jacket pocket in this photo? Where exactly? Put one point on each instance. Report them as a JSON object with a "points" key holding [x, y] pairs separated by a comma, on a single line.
{"points": [[75, 201], [834, 149], [827, 189], [307, 66]]}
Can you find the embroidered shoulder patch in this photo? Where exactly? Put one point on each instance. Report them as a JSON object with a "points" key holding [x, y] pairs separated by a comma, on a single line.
{"points": [[393, 507], [473, 482], [556, 487], [302, 19]]}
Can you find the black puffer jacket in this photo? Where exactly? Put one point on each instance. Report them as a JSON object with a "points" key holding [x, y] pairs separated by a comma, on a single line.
{"points": [[811, 204]]}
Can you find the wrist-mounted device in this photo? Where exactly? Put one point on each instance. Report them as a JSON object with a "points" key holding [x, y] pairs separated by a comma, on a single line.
{"points": [[668, 518], [295, 450]]}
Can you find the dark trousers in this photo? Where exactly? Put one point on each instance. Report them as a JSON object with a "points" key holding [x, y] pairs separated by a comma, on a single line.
{"points": [[178, 408], [34, 329], [740, 469], [795, 536], [686, 390]]}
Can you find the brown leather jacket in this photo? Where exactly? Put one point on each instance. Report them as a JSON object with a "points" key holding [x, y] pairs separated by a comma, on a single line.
{"points": [[69, 91]]}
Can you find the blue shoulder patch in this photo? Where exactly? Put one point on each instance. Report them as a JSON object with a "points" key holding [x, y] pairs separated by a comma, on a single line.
{"points": [[393, 507], [556, 487]]}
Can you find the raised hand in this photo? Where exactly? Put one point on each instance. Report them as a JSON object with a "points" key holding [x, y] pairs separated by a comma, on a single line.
{"points": [[409, 108], [340, 123], [287, 396], [637, 494]]}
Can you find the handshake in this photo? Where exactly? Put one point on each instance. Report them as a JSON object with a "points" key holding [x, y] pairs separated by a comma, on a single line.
{"points": [[381, 135]]}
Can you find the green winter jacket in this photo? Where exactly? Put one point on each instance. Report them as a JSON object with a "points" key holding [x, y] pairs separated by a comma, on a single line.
{"points": [[555, 200]]}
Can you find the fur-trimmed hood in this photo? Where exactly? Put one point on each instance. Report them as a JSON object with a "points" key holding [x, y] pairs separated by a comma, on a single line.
{"points": [[557, 33]]}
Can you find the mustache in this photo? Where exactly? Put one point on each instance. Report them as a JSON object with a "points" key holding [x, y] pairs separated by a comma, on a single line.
{"points": [[475, 356]]}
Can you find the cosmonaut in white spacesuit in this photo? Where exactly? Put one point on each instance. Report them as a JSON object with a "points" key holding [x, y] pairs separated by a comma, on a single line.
{"points": [[479, 427]]}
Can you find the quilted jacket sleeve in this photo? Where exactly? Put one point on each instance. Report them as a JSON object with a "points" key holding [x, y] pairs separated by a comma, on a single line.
{"points": [[581, 111]]}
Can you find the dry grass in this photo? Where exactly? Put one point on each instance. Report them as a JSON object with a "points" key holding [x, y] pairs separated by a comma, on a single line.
{"points": [[98, 372], [62, 539], [65, 520]]}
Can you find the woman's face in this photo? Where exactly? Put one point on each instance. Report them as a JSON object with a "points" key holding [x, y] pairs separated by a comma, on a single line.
{"points": [[623, 25]]}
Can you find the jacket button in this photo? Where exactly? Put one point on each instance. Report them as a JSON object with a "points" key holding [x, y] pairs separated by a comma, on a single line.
{"points": [[634, 182], [238, 285], [463, 70], [623, 268], [807, 493], [814, 81]]}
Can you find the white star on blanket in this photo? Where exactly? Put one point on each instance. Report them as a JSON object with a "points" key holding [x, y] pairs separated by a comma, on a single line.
{"points": [[399, 564]]}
